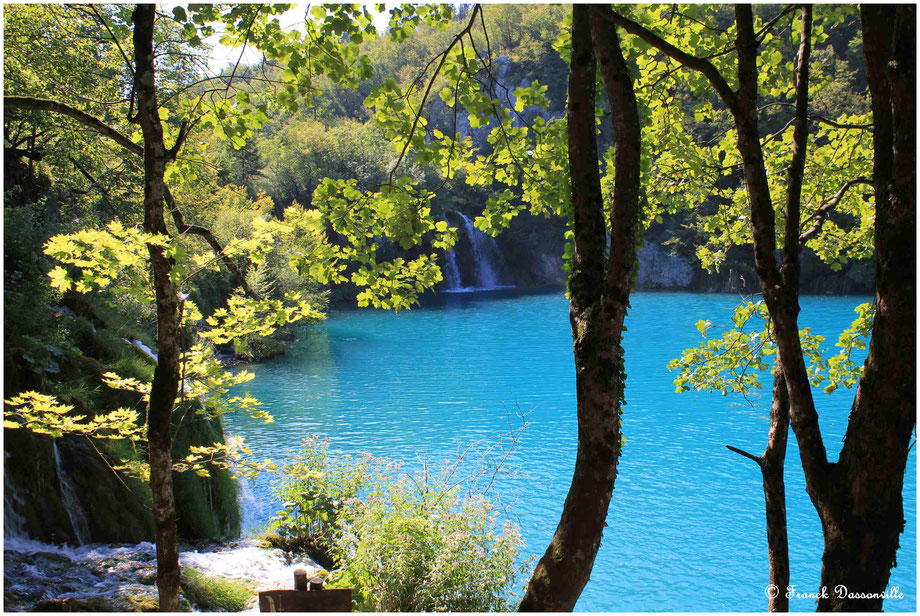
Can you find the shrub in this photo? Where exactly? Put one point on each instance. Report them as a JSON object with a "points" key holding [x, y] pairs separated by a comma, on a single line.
{"points": [[315, 488], [402, 542], [414, 548]]}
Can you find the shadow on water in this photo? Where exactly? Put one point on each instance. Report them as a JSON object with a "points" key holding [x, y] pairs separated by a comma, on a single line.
{"points": [[461, 298]]}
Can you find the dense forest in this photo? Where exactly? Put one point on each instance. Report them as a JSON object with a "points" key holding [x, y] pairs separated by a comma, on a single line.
{"points": [[170, 218]]}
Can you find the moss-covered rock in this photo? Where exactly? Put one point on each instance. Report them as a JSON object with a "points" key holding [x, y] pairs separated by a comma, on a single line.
{"points": [[208, 506], [95, 603], [215, 594], [116, 508], [89, 340], [141, 602]]}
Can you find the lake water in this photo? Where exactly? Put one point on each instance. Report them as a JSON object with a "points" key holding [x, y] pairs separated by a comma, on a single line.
{"points": [[686, 524]]}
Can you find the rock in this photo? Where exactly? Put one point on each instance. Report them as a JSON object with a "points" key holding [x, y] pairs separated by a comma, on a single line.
{"points": [[147, 577], [141, 600], [659, 269], [92, 603], [213, 593]]}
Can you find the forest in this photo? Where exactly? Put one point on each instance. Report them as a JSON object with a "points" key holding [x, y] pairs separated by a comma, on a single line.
{"points": [[459, 307]]}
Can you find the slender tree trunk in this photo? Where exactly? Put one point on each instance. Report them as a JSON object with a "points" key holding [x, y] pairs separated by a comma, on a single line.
{"points": [[165, 384], [599, 291], [772, 462], [772, 465]]}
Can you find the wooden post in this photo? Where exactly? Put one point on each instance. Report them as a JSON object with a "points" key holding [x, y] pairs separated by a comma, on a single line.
{"points": [[317, 583], [300, 579]]}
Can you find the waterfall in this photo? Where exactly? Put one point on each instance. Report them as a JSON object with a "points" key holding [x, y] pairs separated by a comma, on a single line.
{"points": [[146, 350], [14, 524], [486, 256], [71, 502], [451, 272]]}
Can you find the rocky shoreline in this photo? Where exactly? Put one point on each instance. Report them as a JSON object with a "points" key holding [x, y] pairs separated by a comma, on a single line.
{"points": [[101, 577]]}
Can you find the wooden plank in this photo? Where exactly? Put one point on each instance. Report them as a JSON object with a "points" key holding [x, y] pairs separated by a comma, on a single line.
{"points": [[337, 600]]}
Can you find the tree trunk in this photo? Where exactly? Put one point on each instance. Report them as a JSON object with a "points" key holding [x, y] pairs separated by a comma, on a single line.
{"points": [[865, 501], [599, 291], [165, 384], [772, 467], [859, 498]]}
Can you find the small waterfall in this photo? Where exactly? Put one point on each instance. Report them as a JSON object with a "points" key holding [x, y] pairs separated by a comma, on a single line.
{"points": [[121, 575], [146, 350], [71, 502], [14, 524], [486, 255], [451, 272]]}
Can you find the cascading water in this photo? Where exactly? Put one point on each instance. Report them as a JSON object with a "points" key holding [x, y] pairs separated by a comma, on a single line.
{"points": [[451, 272], [120, 577], [486, 255], [14, 524], [71, 502]]}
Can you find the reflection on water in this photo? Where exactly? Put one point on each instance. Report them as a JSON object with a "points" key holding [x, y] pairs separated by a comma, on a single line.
{"points": [[686, 528]]}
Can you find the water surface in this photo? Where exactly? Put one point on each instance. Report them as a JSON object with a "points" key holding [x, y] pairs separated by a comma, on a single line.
{"points": [[686, 525]]}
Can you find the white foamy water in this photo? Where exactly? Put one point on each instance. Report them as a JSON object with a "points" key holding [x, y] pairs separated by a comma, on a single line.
{"points": [[246, 560], [35, 571]]}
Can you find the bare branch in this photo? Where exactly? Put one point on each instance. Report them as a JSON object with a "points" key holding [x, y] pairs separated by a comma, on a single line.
{"points": [[821, 213], [757, 459], [29, 103]]}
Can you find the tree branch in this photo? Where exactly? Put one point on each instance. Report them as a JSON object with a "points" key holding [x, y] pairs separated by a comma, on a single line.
{"points": [[206, 234], [39, 104], [477, 9], [757, 459], [791, 268], [31, 155], [30, 103], [105, 24], [701, 65], [821, 213]]}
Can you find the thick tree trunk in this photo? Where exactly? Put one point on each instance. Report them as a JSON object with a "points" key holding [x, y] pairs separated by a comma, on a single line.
{"points": [[165, 384], [859, 498], [865, 501], [599, 294]]}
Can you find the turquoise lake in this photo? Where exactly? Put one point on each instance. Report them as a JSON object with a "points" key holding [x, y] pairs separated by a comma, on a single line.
{"points": [[686, 527]]}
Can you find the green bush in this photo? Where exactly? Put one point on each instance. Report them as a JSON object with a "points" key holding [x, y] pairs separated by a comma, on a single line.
{"points": [[402, 542], [316, 485]]}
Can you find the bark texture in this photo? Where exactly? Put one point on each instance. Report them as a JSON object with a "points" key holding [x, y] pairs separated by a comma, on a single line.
{"points": [[772, 465], [772, 468], [599, 291], [165, 385], [864, 508], [858, 498], [157, 200]]}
